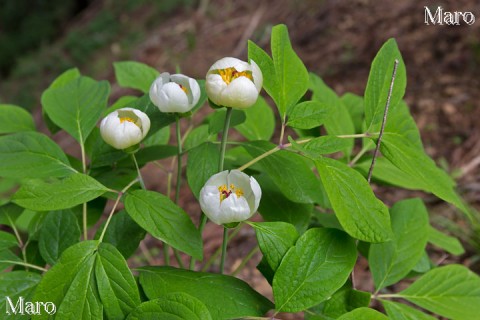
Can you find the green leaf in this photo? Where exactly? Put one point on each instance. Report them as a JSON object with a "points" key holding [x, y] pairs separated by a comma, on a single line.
{"points": [[100, 153], [354, 105], [400, 121], [202, 163], [173, 306], [152, 153], [71, 285], [123, 233], [164, 220], [122, 102], [290, 172], [378, 84], [217, 120], [274, 240], [16, 284], [447, 243], [59, 231], [451, 291], [276, 207], [363, 314], [8, 259], [417, 165], [423, 265], [7, 240], [259, 123], [265, 63], [339, 122], [308, 115], [360, 213], [316, 147], [209, 288], [162, 136], [66, 77], [290, 72], [77, 106], [312, 270], [136, 75], [198, 136], [9, 213], [391, 261], [33, 155], [117, 288], [400, 311], [15, 119], [62, 194]]}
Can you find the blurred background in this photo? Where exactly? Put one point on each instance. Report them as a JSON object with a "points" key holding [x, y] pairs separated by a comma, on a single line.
{"points": [[336, 39]]}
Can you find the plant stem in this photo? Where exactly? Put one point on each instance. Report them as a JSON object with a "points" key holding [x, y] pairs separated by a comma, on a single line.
{"points": [[224, 249], [120, 194], [179, 159], [282, 132], [140, 179], [358, 156], [223, 146], [203, 222], [178, 258], [392, 295], [245, 260], [28, 265], [21, 245], [84, 206], [357, 135], [219, 250], [385, 113]]}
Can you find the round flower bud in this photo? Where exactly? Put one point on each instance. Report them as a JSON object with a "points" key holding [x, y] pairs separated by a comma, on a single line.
{"points": [[234, 83], [124, 127], [229, 197], [174, 93]]}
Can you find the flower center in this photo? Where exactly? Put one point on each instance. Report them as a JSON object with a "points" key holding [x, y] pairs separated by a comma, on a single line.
{"points": [[123, 119], [230, 74], [183, 88], [225, 192]]}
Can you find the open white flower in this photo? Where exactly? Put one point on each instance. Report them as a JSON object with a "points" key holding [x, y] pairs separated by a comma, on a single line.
{"points": [[234, 83], [174, 93], [124, 128], [230, 197]]}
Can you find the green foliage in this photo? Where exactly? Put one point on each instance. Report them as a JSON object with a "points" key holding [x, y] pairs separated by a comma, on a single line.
{"points": [[15, 119], [135, 75]]}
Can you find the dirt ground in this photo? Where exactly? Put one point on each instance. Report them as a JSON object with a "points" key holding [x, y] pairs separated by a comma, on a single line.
{"points": [[338, 40]]}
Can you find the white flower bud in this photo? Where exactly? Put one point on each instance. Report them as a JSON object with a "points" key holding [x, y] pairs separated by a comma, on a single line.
{"points": [[234, 83], [230, 197], [124, 128], [174, 93]]}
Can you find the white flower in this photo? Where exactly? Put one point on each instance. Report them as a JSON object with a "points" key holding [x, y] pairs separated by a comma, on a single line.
{"points": [[124, 128], [174, 93], [234, 83], [230, 197]]}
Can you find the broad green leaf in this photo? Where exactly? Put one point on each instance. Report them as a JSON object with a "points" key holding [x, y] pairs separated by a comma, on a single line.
{"points": [[8, 259], [100, 153], [378, 84], [447, 243], [391, 261], [153, 153], [77, 106], [417, 165], [61, 194], [217, 120], [122, 102], [290, 172], [344, 300], [33, 155], [308, 114], [265, 63], [363, 314], [162, 136], [259, 123], [451, 291], [71, 285], [15, 119], [198, 136], [400, 121], [173, 306], [123, 233], [400, 311], [360, 213], [354, 105], [316, 147], [164, 220], [202, 163], [312, 270], [9, 213], [59, 231], [16, 284], [225, 297], [276, 207], [290, 72], [423, 265], [339, 122], [274, 240], [117, 288], [7, 240], [136, 75]]}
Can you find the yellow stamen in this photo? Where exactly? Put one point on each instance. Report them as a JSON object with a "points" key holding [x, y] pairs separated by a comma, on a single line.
{"points": [[183, 88], [230, 74], [123, 119], [226, 192]]}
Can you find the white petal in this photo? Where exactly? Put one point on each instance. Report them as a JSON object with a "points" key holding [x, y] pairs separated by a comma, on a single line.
{"points": [[214, 86], [218, 179], [144, 121], [234, 209], [173, 99], [257, 193], [156, 87], [257, 75], [210, 203], [241, 93], [229, 62]]}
